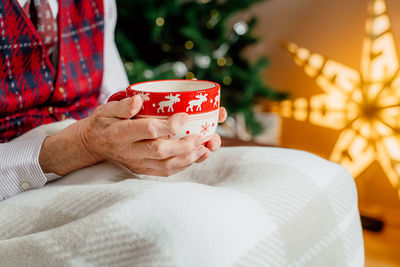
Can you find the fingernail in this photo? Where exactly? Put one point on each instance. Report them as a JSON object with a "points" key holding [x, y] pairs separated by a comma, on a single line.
{"points": [[137, 98], [184, 119], [129, 99]]}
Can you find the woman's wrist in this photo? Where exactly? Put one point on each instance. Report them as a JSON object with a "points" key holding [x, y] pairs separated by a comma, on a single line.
{"points": [[66, 151]]}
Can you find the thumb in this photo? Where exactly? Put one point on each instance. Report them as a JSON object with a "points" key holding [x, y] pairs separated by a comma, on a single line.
{"points": [[125, 108]]}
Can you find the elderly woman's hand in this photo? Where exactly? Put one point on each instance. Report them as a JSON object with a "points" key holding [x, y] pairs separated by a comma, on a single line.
{"points": [[139, 144], [142, 145]]}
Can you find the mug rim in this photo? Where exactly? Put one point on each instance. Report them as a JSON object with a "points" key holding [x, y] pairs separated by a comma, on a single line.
{"points": [[216, 86]]}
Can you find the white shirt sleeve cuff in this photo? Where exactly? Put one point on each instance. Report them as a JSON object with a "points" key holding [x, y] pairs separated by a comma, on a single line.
{"points": [[51, 176], [19, 166]]}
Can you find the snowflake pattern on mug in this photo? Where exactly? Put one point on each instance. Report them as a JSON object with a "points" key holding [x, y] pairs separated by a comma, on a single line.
{"points": [[205, 128]]}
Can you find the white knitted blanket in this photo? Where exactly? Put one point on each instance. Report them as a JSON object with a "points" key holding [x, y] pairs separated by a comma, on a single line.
{"points": [[242, 207]]}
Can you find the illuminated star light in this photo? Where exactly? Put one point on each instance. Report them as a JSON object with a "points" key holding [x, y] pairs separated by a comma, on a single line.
{"points": [[364, 105]]}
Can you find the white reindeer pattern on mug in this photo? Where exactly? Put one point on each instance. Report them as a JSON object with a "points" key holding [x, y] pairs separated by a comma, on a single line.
{"points": [[145, 97], [198, 102], [172, 99], [216, 100]]}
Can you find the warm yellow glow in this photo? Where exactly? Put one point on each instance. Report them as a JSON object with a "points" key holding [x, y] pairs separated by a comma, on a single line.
{"points": [[364, 105], [189, 44], [300, 112], [301, 103], [160, 21], [286, 108], [314, 64], [227, 80], [189, 75], [379, 7], [303, 54], [221, 61]]}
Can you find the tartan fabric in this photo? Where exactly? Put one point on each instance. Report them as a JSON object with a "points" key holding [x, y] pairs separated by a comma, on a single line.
{"points": [[32, 92], [44, 21]]}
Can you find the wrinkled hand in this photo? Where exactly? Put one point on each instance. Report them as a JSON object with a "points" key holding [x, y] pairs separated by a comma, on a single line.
{"points": [[141, 145]]}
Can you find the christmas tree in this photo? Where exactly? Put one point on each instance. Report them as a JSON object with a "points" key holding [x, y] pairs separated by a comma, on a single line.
{"points": [[174, 39]]}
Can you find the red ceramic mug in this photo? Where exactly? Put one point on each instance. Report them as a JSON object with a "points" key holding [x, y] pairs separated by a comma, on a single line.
{"points": [[161, 99]]}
